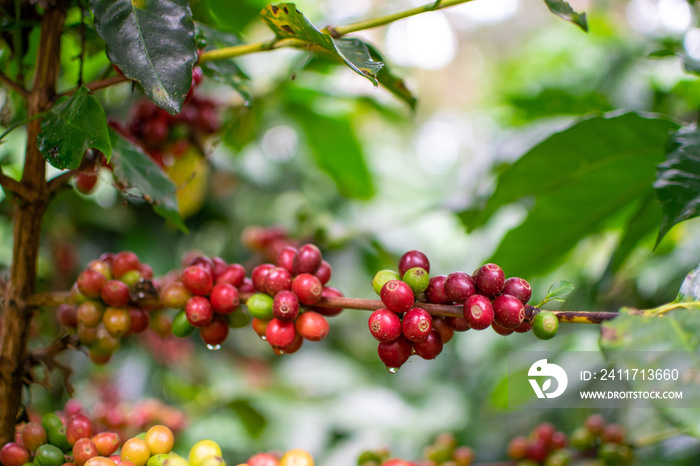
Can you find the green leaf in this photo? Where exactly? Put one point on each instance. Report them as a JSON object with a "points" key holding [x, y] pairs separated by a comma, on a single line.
{"points": [[555, 101], [557, 291], [628, 340], [391, 82], [690, 288], [564, 11], [579, 179], [133, 168], [152, 42], [289, 23], [337, 151], [224, 71], [71, 127], [678, 180]]}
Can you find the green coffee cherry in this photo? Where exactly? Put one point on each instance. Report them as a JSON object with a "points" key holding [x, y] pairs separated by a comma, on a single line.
{"points": [[260, 306], [417, 278], [181, 327], [545, 325], [381, 277]]}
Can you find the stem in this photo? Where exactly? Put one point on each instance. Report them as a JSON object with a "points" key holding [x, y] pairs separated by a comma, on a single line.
{"points": [[17, 124], [657, 437], [17, 315], [17, 87]]}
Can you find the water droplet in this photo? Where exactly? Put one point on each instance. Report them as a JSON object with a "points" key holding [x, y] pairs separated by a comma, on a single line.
{"points": [[263, 338], [280, 352], [393, 370], [214, 347]]}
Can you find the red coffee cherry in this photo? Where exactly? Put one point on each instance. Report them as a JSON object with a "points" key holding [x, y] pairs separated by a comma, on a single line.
{"points": [[397, 296], [443, 328], [199, 311], [139, 319], [521, 289], [478, 312], [115, 293], [85, 182], [258, 276], [417, 324], [197, 280], [280, 333], [215, 332], [395, 353], [285, 306], [509, 311], [276, 280], [224, 298], [385, 325], [308, 288], [459, 286], [324, 272], [329, 292], [206, 263], [412, 259], [285, 258], [90, 283], [123, 262], [307, 260], [430, 347], [489, 280], [457, 324], [436, 290], [501, 330], [312, 326], [233, 274], [517, 448], [174, 295]]}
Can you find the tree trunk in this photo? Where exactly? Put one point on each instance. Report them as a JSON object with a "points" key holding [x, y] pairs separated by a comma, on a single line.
{"points": [[28, 213]]}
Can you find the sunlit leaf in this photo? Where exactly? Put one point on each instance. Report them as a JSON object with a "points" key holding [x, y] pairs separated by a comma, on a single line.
{"points": [[564, 11], [690, 288]]}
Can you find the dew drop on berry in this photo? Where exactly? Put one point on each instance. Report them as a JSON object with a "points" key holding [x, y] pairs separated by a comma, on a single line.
{"points": [[214, 347], [392, 370]]}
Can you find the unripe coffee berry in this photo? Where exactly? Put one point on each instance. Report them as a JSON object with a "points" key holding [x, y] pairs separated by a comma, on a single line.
{"points": [[459, 286], [394, 354], [312, 326], [174, 295], [199, 312], [435, 293], [509, 311], [417, 278], [181, 327], [517, 448], [198, 280], [545, 325], [430, 347], [307, 260], [412, 259], [417, 324], [224, 298], [518, 287], [385, 325], [308, 288], [381, 277], [260, 306], [397, 296], [489, 279], [285, 306], [478, 312]]}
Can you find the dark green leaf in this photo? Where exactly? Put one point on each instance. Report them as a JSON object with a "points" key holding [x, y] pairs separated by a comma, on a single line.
{"points": [[578, 178], [71, 127], [336, 150], [557, 291], [624, 337], [152, 42], [132, 168], [690, 289], [564, 11], [289, 23], [391, 82], [678, 180], [224, 71]]}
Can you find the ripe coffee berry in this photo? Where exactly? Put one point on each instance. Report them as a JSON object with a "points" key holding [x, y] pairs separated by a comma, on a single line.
{"points": [[115, 293], [478, 312], [516, 286], [613, 433], [285, 306], [595, 423], [276, 280], [280, 333], [206, 263], [430, 347], [394, 354], [397, 296], [324, 272], [385, 325], [440, 325], [67, 315], [459, 286], [509, 312], [435, 293], [308, 288], [524, 327], [258, 276], [199, 311], [285, 257], [328, 292], [233, 274], [77, 427], [307, 260], [215, 332], [501, 330], [224, 298], [33, 435], [537, 451], [139, 320], [489, 280], [89, 313], [417, 324], [412, 259], [312, 326], [197, 280], [90, 283], [517, 448], [381, 277], [545, 325], [457, 324], [124, 261]]}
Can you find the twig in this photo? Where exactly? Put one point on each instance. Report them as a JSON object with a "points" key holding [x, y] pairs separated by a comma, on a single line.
{"points": [[58, 182], [47, 357], [17, 87], [15, 186]]}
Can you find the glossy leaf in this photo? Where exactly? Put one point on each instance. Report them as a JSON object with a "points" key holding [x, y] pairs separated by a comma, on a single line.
{"points": [[557, 291], [336, 150], [674, 338], [289, 23], [224, 71], [153, 43], [678, 180], [134, 169], [690, 288], [564, 11], [579, 178], [71, 127]]}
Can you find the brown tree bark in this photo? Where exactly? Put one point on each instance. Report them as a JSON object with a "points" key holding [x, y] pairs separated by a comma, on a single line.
{"points": [[28, 213]]}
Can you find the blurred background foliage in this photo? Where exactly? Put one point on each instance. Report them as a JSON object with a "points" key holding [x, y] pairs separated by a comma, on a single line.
{"points": [[312, 147]]}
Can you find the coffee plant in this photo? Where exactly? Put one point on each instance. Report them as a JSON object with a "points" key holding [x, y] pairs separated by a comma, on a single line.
{"points": [[237, 233]]}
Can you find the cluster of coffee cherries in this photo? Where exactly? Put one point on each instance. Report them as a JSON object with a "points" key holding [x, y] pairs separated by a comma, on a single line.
{"points": [[444, 451], [295, 457], [549, 447], [206, 293], [404, 328], [283, 307], [111, 300], [267, 241], [165, 137]]}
